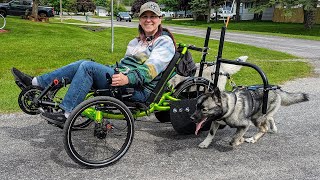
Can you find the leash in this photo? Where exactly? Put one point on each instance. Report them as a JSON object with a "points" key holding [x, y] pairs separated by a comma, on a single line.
{"points": [[230, 79], [231, 82]]}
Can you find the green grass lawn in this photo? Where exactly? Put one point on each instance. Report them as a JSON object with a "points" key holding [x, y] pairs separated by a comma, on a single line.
{"points": [[66, 20], [37, 48], [265, 27]]}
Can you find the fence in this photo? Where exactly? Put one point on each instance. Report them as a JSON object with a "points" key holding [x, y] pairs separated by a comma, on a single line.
{"points": [[297, 16]]}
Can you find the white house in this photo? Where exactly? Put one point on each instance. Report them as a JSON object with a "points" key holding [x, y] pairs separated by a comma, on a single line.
{"points": [[244, 12], [101, 11]]}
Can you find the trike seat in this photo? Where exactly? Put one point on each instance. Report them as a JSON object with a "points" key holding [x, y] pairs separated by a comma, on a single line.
{"points": [[124, 94]]}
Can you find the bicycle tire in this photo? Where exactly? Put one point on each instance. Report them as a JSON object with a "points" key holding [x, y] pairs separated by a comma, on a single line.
{"points": [[26, 97], [4, 22], [84, 145]]}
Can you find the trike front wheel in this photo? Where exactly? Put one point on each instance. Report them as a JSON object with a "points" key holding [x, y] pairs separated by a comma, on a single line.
{"points": [[106, 139]]}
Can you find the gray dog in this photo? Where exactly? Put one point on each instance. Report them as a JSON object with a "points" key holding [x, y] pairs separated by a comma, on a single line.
{"points": [[240, 109]]}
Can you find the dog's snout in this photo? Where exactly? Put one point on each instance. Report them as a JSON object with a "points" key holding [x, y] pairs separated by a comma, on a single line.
{"points": [[194, 117]]}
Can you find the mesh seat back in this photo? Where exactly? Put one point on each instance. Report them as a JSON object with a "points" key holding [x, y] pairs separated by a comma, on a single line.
{"points": [[165, 77]]}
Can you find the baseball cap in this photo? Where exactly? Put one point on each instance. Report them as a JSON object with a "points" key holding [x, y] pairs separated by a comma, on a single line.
{"points": [[150, 6]]}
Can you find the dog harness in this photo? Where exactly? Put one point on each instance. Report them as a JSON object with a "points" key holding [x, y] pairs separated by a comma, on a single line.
{"points": [[254, 99], [255, 104]]}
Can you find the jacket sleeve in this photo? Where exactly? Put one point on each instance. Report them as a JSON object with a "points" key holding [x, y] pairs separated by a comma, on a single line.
{"points": [[162, 52]]}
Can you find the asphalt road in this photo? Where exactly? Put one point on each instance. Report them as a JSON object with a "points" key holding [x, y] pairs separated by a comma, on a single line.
{"points": [[298, 47], [32, 149]]}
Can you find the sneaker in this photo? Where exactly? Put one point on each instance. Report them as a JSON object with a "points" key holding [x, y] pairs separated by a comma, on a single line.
{"points": [[57, 118], [22, 80]]}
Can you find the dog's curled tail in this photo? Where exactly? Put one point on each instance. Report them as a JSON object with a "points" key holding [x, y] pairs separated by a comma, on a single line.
{"points": [[231, 68], [292, 98]]}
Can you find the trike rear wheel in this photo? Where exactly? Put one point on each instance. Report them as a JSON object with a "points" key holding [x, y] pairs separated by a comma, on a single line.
{"points": [[187, 91], [190, 90], [103, 141]]}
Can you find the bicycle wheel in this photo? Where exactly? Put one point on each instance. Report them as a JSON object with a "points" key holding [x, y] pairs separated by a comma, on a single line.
{"points": [[2, 21], [190, 90], [27, 103], [100, 143], [193, 89]]}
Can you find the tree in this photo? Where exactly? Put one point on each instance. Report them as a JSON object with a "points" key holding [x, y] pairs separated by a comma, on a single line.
{"points": [[170, 5], [238, 10], [135, 8], [209, 10], [184, 5], [34, 13], [102, 3], [127, 2], [70, 6], [85, 6], [56, 4], [309, 9], [120, 8], [116, 7], [259, 7], [199, 9]]}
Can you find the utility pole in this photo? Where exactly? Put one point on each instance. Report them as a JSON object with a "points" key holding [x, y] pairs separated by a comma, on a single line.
{"points": [[112, 31]]}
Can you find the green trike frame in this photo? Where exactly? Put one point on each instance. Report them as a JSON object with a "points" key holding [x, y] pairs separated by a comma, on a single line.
{"points": [[108, 119], [100, 130]]}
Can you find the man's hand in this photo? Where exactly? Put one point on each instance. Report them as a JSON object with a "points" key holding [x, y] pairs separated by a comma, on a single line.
{"points": [[119, 80]]}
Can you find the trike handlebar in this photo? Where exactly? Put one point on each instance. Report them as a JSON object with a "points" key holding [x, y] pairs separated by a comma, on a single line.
{"points": [[193, 47]]}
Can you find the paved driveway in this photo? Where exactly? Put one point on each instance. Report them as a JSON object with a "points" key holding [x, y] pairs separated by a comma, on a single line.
{"points": [[32, 149]]}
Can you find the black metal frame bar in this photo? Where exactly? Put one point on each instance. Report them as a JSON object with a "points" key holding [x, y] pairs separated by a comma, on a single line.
{"points": [[220, 60], [204, 52]]}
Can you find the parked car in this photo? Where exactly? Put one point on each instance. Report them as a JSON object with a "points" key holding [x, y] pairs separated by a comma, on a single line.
{"points": [[124, 16], [223, 14], [19, 8], [167, 14]]}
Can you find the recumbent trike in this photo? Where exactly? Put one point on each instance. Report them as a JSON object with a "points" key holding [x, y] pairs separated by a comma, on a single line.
{"points": [[100, 130]]}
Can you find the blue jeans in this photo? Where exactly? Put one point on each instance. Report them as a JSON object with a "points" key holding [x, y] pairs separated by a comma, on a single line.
{"points": [[83, 75]]}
